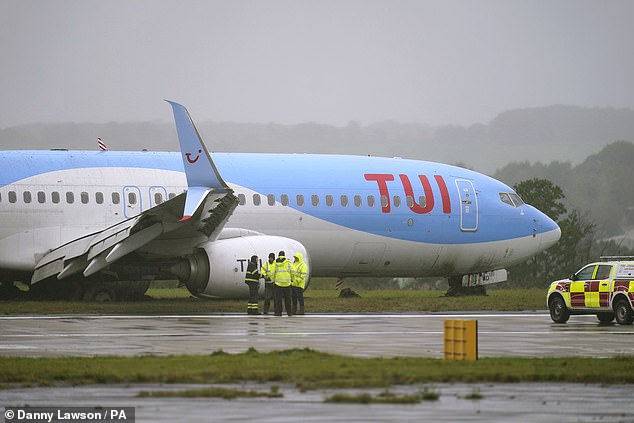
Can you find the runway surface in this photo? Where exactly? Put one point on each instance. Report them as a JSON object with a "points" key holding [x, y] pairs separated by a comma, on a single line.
{"points": [[504, 403], [530, 334], [527, 334]]}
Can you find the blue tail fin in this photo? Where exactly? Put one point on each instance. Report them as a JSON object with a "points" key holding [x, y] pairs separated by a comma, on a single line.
{"points": [[200, 170]]}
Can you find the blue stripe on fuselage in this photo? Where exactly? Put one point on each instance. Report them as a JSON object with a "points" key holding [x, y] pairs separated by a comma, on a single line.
{"points": [[18, 165], [322, 175]]}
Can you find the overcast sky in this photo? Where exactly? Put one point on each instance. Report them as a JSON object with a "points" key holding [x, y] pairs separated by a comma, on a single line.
{"points": [[319, 61]]}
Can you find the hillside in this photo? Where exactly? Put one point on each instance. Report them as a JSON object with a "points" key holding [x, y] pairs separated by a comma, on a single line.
{"points": [[601, 185], [556, 133]]}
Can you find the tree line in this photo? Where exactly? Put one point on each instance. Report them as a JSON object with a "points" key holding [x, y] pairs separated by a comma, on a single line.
{"points": [[578, 245]]}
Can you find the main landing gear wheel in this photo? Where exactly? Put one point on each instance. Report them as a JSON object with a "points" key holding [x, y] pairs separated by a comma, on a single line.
{"points": [[100, 293], [8, 291]]}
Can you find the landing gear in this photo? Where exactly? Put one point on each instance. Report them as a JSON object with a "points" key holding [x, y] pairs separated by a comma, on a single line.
{"points": [[8, 291], [92, 289], [108, 291], [456, 289], [100, 292]]}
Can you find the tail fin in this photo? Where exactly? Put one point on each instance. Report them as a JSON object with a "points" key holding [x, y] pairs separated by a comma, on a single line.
{"points": [[200, 170]]}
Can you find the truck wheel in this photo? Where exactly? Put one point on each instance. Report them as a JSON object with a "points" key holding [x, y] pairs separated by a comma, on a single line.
{"points": [[605, 317], [558, 311], [623, 312]]}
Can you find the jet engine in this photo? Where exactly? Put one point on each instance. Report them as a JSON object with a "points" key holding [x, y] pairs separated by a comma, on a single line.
{"points": [[217, 269]]}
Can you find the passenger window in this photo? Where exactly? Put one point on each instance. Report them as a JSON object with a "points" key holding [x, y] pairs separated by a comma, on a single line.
{"points": [[315, 200], [171, 195], [41, 197], [384, 201], [603, 272], [300, 199], [26, 195], [131, 198], [256, 199], [284, 199], [422, 201], [55, 197], [506, 199], [116, 198], [99, 197], [13, 197], [271, 199], [370, 200], [329, 200], [158, 198], [357, 200], [84, 197], [344, 200], [242, 200], [410, 201], [70, 197], [397, 201]]}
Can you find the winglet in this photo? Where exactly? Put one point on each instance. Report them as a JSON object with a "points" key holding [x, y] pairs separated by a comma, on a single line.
{"points": [[200, 170]]}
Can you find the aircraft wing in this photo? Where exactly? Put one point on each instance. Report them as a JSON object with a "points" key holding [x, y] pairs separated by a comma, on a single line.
{"points": [[174, 227]]}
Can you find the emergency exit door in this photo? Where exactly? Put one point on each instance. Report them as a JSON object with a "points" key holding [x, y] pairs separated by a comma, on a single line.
{"points": [[131, 201], [468, 205]]}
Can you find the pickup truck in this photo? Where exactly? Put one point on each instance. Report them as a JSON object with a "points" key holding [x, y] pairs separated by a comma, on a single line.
{"points": [[604, 288]]}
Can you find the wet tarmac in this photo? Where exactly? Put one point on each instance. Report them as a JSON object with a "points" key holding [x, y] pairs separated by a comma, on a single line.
{"points": [[532, 402], [530, 334], [527, 334]]}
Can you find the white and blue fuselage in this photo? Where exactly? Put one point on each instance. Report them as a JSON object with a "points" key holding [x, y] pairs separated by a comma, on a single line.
{"points": [[355, 215]]}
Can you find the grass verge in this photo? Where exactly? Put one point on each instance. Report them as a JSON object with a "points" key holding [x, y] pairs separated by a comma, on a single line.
{"points": [[178, 301], [212, 392], [382, 398], [311, 370]]}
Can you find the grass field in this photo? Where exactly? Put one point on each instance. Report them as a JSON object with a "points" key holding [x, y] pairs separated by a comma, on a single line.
{"points": [[179, 301], [311, 370]]}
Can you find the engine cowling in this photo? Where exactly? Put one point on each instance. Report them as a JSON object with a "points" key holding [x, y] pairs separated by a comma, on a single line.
{"points": [[217, 269]]}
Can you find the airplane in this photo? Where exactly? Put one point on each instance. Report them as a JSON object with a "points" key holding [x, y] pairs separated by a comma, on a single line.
{"points": [[100, 225]]}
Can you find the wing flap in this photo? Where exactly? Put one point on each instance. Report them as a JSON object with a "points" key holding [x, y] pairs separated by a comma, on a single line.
{"points": [[170, 229]]}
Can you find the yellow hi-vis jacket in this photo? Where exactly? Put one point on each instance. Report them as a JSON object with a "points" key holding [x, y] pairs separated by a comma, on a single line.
{"points": [[299, 272], [267, 271], [282, 275]]}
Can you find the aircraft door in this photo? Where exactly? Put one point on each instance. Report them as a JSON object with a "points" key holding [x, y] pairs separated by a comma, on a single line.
{"points": [[468, 205], [132, 204]]}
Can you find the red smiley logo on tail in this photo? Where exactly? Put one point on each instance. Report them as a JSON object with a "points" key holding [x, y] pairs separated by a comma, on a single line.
{"points": [[194, 160]]}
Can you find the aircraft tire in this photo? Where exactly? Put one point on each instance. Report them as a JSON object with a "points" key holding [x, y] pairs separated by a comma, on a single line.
{"points": [[100, 292], [8, 291]]}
